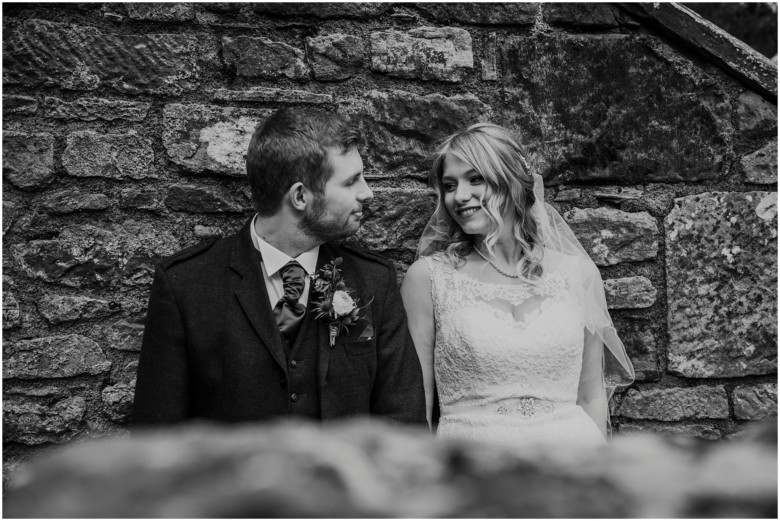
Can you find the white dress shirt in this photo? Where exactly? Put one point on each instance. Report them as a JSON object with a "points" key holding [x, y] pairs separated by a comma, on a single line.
{"points": [[273, 260]]}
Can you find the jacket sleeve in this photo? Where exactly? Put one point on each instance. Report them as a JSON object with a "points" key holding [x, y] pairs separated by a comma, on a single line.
{"points": [[398, 392], [162, 391]]}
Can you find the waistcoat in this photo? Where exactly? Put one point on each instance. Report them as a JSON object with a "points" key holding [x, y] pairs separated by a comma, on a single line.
{"points": [[303, 392]]}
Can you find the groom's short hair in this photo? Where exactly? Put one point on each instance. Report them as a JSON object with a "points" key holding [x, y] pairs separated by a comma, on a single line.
{"points": [[290, 146]]}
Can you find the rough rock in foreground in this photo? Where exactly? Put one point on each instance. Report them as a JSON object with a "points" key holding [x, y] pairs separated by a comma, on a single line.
{"points": [[362, 469]]}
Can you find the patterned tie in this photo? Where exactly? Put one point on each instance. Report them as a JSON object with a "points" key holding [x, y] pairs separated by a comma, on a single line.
{"points": [[288, 311]]}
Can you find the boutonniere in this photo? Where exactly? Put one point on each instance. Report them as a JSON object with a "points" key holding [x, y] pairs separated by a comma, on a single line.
{"points": [[335, 302]]}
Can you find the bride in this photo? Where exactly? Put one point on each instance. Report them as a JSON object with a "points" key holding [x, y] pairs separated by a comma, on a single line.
{"points": [[506, 309]]}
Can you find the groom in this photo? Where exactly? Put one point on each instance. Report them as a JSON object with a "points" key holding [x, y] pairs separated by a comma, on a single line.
{"points": [[232, 330]]}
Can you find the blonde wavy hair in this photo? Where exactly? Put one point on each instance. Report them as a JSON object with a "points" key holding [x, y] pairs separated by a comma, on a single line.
{"points": [[494, 153]]}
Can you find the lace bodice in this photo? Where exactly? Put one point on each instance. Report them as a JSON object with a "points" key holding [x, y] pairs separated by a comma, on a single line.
{"points": [[502, 341]]}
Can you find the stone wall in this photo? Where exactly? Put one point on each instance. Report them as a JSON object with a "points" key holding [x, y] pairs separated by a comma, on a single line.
{"points": [[125, 127]]}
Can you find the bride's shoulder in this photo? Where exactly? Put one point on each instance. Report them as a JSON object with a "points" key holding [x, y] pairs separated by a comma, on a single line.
{"points": [[421, 265], [417, 280], [419, 271], [429, 266]]}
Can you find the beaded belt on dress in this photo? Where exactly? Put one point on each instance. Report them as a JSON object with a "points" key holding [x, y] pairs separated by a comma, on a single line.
{"points": [[525, 407]]}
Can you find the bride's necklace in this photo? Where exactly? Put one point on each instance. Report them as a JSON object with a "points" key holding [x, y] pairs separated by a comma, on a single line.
{"points": [[502, 272]]}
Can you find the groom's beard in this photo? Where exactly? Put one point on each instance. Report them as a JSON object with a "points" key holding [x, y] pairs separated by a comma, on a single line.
{"points": [[326, 227]]}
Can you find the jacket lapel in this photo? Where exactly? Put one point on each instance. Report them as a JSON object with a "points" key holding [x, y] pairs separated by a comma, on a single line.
{"points": [[252, 294]]}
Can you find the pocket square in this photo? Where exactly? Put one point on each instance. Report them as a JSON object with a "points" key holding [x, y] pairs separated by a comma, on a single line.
{"points": [[367, 334]]}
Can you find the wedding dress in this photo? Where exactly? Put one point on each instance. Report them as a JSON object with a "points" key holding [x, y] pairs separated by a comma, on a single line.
{"points": [[507, 357]]}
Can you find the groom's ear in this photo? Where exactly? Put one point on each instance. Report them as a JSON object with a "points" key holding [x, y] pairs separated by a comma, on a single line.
{"points": [[299, 196]]}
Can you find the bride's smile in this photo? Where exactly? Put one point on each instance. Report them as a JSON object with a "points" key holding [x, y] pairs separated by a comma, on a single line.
{"points": [[469, 211]]}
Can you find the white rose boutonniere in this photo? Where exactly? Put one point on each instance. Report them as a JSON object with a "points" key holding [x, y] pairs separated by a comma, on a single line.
{"points": [[342, 303], [335, 302]]}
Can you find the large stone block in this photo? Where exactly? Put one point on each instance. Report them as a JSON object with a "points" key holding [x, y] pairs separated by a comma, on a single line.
{"points": [[611, 236], [755, 402], [425, 53], [756, 117], [629, 292], [203, 199], [257, 57], [118, 401], [676, 403], [360, 10], [19, 105], [760, 167], [88, 256], [573, 100], [28, 159], [57, 309], [519, 13], [210, 139], [642, 344], [32, 423], [140, 199], [53, 357], [396, 219], [335, 56], [42, 53], [69, 201], [114, 156], [403, 128], [90, 109], [721, 271]]}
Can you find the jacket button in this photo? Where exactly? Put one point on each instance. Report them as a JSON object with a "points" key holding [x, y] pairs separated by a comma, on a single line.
{"points": [[293, 363], [294, 397], [283, 382]]}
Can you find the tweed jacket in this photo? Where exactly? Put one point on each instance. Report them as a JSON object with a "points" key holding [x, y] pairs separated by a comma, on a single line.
{"points": [[211, 348]]}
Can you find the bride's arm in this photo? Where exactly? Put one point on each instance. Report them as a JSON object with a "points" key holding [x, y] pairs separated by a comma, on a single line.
{"points": [[592, 395], [416, 294]]}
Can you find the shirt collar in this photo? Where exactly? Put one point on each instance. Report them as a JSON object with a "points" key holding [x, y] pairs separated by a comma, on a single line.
{"points": [[274, 259]]}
